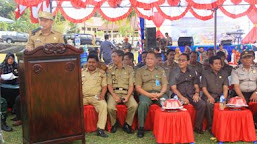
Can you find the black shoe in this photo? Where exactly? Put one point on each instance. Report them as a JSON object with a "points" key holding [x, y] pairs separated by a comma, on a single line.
{"points": [[199, 131], [100, 132], [14, 119], [127, 128], [210, 131], [114, 128], [141, 132], [6, 128]]}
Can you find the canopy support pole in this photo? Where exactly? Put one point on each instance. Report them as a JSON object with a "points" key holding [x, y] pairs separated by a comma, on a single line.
{"points": [[215, 30], [51, 6]]}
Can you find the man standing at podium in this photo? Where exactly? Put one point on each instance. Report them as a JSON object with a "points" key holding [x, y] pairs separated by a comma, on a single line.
{"points": [[44, 34], [120, 79], [94, 89]]}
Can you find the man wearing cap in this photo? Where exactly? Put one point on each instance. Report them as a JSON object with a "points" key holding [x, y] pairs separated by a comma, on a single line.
{"points": [[45, 34], [244, 78]]}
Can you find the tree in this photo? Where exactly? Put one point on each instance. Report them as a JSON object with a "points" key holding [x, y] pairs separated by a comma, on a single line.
{"points": [[6, 7]]}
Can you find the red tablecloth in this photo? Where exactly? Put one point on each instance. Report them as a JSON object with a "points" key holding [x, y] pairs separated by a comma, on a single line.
{"points": [[173, 127], [233, 125], [192, 113]]}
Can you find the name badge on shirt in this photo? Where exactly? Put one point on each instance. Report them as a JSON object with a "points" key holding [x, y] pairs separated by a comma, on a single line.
{"points": [[157, 82]]}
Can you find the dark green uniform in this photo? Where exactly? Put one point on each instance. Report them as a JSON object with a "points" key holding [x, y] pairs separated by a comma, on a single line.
{"points": [[150, 81]]}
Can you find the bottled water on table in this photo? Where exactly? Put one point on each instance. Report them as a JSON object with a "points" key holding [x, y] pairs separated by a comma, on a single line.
{"points": [[222, 102]]}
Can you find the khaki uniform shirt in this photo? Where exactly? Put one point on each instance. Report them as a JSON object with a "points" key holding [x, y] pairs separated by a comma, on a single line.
{"points": [[151, 80], [214, 83], [93, 82], [196, 67], [39, 40], [246, 79], [168, 67], [120, 79]]}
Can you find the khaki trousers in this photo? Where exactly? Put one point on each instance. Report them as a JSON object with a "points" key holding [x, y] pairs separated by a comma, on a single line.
{"points": [[101, 109], [131, 109]]}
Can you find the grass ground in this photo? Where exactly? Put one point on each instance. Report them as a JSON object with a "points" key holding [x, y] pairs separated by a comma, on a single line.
{"points": [[119, 137]]}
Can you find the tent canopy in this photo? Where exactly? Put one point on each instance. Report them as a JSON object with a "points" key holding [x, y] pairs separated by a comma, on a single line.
{"points": [[2, 19]]}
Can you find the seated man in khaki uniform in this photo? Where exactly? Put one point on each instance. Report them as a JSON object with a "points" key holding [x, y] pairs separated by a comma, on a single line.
{"points": [[120, 79], [151, 83], [214, 83], [185, 84], [45, 34], [94, 89]]}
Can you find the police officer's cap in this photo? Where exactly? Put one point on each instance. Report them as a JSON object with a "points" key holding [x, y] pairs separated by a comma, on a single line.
{"points": [[245, 54], [46, 15]]}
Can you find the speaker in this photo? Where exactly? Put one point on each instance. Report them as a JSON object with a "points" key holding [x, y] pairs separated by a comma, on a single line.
{"points": [[182, 41], [226, 42], [150, 38]]}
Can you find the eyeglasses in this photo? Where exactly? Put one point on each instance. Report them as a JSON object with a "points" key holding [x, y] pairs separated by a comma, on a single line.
{"points": [[182, 60]]}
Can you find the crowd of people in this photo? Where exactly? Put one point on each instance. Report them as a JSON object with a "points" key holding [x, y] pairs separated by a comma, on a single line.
{"points": [[196, 77]]}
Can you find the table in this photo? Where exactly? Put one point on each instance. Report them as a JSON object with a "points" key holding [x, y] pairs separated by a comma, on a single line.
{"points": [[233, 125], [173, 127]]}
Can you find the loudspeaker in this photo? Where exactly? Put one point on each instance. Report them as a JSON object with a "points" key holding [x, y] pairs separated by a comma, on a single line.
{"points": [[182, 41], [150, 38], [226, 42]]}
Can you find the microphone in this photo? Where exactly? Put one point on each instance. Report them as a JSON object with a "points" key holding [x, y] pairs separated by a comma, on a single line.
{"points": [[36, 30]]}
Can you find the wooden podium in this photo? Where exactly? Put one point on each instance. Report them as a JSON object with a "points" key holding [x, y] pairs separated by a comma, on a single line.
{"points": [[51, 95]]}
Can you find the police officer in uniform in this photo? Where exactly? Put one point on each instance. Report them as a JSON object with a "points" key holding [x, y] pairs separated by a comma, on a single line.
{"points": [[185, 84], [120, 79], [45, 34], [244, 78], [94, 89], [151, 84], [214, 83]]}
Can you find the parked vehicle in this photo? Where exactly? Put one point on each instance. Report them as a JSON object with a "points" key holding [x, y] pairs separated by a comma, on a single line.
{"points": [[85, 39], [15, 37]]}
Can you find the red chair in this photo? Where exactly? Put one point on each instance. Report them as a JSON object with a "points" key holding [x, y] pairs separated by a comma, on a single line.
{"points": [[90, 118], [190, 108], [9, 110], [149, 121], [121, 117], [253, 107]]}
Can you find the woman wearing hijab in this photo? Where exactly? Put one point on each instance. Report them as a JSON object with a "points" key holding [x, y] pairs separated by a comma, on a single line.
{"points": [[8, 93]]}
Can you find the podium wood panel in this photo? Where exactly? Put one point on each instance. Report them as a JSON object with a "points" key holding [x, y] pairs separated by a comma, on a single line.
{"points": [[51, 96]]}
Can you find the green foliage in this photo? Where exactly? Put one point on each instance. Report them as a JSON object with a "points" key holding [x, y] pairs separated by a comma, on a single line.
{"points": [[7, 7], [3, 26], [23, 24]]}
